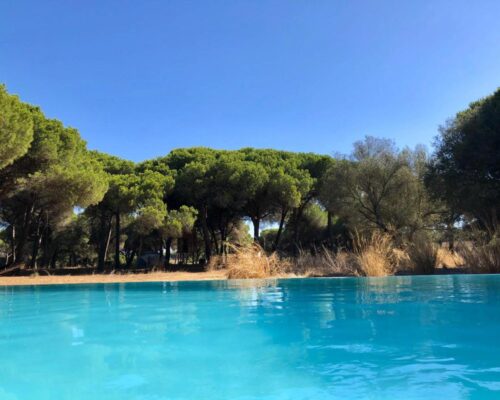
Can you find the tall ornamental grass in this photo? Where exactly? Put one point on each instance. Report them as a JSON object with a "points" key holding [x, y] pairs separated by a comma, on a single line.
{"points": [[374, 255], [483, 258]]}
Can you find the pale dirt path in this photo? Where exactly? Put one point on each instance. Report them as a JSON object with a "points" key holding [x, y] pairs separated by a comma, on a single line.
{"points": [[98, 278]]}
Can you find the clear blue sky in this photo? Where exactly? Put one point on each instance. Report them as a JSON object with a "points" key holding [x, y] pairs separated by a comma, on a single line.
{"points": [[139, 78]]}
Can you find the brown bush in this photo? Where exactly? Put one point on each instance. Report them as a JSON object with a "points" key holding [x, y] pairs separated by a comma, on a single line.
{"points": [[324, 263], [374, 255], [252, 262], [217, 262], [401, 259], [483, 259], [448, 259], [423, 254]]}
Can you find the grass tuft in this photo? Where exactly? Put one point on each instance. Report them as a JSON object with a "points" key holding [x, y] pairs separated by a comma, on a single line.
{"points": [[252, 262], [423, 254], [374, 255], [324, 263], [482, 259], [449, 259]]}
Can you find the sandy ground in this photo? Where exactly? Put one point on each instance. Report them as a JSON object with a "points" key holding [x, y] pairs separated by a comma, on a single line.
{"points": [[151, 277]]}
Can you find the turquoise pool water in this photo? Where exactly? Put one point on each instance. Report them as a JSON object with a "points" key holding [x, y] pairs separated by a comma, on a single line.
{"points": [[379, 338]]}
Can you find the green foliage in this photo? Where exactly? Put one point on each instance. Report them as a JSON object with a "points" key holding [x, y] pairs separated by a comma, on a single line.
{"points": [[239, 234], [71, 245], [16, 128], [62, 204], [312, 227], [179, 222], [63, 173], [150, 217], [380, 188], [465, 171], [42, 187]]}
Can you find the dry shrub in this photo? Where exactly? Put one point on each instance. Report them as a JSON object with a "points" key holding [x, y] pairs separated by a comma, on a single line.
{"points": [[217, 263], [252, 262], [423, 254], [483, 259], [324, 263], [374, 254], [401, 260], [448, 259]]}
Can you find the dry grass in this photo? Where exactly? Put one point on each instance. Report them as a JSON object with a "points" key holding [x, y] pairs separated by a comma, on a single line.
{"points": [[374, 254], [423, 255], [324, 263], [217, 263], [252, 262], [110, 278], [483, 259], [401, 260], [425, 259], [448, 259]]}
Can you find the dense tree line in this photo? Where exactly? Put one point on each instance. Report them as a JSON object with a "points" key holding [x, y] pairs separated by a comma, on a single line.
{"points": [[63, 205]]}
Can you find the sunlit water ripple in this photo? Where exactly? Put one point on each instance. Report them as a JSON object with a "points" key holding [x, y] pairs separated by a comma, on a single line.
{"points": [[380, 338]]}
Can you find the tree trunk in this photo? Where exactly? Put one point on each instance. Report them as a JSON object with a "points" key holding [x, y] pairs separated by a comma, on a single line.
{"points": [[102, 242], [256, 229], [284, 212], [53, 260], [206, 234], [450, 236], [105, 229], [222, 245], [295, 229], [13, 244], [23, 234], [161, 257], [215, 241], [37, 240], [168, 243], [139, 252], [47, 247], [223, 237], [117, 240], [329, 229], [108, 240], [130, 258], [296, 222], [195, 248]]}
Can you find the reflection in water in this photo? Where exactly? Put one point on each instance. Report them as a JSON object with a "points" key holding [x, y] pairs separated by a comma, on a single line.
{"points": [[382, 338]]}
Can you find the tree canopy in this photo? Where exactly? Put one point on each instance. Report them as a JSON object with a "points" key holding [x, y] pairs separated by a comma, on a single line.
{"points": [[380, 187], [61, 204], [465, 170], [16, 128]]}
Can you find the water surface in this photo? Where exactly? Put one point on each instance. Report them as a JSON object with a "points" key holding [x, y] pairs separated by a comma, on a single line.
{"points": [[353, 338]]}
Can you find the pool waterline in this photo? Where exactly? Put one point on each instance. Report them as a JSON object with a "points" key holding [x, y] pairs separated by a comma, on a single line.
{"points": [[417, 337]]}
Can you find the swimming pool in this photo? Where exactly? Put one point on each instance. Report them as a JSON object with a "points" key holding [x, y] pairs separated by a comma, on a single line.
{"points": [[406, 338]]}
